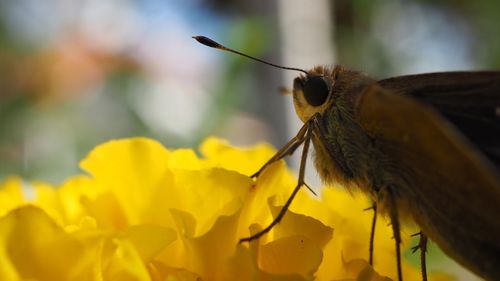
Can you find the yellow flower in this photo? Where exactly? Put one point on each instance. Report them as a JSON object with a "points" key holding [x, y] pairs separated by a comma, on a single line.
{"points": [[147, 213], [11, 194]]}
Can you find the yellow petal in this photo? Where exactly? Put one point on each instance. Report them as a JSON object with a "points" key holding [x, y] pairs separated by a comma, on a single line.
{"points": [[297, 224], [106, 209], [185, 159], [290, 255], [11, 194], [359, 269], [131, 169], [160, 272], [149, 240], [122, 262], [207, 254], [86, 223], [241, 264], [243, 267], [63, 203], [208, 194], [275, 182], [274, 261], [38, 249], [243, 160]]}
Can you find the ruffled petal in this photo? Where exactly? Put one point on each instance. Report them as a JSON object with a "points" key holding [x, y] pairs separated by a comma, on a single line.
{"points": [[11, 194]]}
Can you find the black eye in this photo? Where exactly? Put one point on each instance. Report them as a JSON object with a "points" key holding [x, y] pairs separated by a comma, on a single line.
{"points": [[315, 90]]}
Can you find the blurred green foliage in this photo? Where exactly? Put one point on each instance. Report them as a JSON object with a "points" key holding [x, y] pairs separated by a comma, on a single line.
{"points": [[359, 47]]}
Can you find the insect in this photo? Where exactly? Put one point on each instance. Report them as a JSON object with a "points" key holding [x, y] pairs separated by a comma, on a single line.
{"points": [[424, 147]]}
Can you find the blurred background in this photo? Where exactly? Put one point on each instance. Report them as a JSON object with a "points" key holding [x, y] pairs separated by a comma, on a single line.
{"points": [[75, 73]]}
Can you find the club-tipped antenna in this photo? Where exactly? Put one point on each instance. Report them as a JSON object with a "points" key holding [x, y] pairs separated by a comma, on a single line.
{"points": [[211, 43]]}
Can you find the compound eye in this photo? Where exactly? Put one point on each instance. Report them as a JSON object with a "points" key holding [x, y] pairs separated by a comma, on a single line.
{"points": [[315, 90]]}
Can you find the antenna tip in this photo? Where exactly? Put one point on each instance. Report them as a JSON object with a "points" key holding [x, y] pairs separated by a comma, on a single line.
{"points": [[206, 41]]}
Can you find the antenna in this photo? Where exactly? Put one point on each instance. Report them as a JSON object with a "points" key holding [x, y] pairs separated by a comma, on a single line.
{"points": [[211, 43]]}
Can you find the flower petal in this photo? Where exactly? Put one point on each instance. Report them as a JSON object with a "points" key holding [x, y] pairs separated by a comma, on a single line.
{"points": [[209, 194], [243, 160], [63, 203], [131, 169], [149, 240], [11, 194], [207, 254], [122, 262], [297, 224], [290, 255], [37, 248]]}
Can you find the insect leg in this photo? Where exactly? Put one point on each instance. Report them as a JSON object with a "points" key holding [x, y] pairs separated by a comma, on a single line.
{"points": [[423, 250], [422, 246], [300, 182], [372, 231], [287, 149], [393, 214]]}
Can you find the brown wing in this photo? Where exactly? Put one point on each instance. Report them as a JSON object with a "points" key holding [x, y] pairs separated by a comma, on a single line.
{"points": [[469, 100], [452, 189]]}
